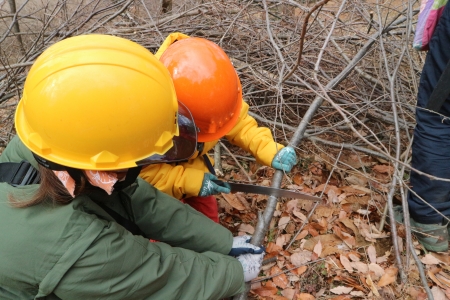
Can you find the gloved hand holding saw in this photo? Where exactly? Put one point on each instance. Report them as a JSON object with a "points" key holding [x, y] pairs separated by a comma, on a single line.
{"points": [[210, 188]]}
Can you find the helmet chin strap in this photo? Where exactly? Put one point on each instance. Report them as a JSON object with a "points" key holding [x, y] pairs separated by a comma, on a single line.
{"points": [[130, 178]]}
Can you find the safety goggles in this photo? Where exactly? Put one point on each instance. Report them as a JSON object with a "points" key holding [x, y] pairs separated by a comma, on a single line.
{"points": [[184, 145]]}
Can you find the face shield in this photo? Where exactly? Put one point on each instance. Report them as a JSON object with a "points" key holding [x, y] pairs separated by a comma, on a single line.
{"points": [[184, 145]]}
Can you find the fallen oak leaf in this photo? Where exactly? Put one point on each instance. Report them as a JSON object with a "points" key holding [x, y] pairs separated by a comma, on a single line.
{"points": [[429, 259], [341, 297], [265, 291], [305, 296], [376, 269], [277, 297], [354, 257], [339, 290], [438, 294], [247, 228], [283, 221], [371, 252], [291, 205], [281, 240], [300, 258], [383, 169], [346, 263], [280, 280], [372, 286], [288, 293], [360, 266], [443, 278], [389, 276], [234, 201], [318, 248], [436, 280]]}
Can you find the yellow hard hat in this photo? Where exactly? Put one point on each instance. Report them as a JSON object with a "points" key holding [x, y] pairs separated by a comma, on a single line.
{"points": [[99, 102]]}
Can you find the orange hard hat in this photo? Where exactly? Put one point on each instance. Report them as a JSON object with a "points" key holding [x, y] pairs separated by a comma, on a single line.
{"points": [[207, 83]]}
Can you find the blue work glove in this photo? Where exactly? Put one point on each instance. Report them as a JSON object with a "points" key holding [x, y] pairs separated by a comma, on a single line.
{"points": [[285, 159], [251, 263], [210, 188], [241, 245]]}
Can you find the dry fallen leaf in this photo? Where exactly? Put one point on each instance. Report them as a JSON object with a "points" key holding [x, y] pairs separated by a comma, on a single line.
{"points": [[353, 257], [318, 248], [356, 180], [299, 215], [346, 263], [283, 222], [416, 293], [281, 240], [341, 290], [304, 296], [291, 205], [438, 293], [435, 279], [265, 291], [389, 276], [300, 258], [360, 266], [272, 247], [247, 228], [444, 278], [288, 293], [372, 253], [234, 201], [429, 259], [279, 280], [377, 270], [372, 286], [276, 297], [383, 169]]}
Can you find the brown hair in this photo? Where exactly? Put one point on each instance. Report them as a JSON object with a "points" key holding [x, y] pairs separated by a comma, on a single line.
{"points": [[50, 189]]}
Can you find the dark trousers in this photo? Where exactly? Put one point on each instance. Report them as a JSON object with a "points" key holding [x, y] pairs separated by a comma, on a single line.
{"points": [[431, 145]]}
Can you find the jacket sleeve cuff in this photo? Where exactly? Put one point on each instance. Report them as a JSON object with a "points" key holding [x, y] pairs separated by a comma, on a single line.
{"points": [[193, 181], [266, 155]]}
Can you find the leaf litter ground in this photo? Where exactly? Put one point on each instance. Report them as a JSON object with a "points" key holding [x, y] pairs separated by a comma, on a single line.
{"points": [[340, 253]]}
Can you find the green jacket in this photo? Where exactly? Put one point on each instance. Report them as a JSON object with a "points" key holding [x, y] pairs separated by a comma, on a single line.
{"points": [[77, 251]]}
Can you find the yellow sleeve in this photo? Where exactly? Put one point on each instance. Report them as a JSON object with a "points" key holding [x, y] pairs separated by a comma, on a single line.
{"points": [[257, 140], [176, 180], [170, 39]]}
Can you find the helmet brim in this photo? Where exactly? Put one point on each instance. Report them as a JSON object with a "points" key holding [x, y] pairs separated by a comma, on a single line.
{"points": [[184, 145]]}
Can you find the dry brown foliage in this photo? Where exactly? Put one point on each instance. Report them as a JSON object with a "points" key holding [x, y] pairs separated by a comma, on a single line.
{"points": [[357, 67]]}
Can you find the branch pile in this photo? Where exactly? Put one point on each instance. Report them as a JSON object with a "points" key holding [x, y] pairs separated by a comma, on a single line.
{"points": [[357, 66]]}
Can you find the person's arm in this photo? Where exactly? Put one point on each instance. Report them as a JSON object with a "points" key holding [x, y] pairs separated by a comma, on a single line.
{"points": [[118, 265], [165, 219], [175, 180], [257, 140]]}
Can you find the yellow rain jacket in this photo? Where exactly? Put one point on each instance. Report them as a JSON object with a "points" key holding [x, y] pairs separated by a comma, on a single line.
{"points": [[184, 180]]}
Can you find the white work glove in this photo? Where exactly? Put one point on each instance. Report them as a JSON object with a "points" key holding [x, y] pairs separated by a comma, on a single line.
{"points": [[251, 263], [285, 159], [241, 245]]}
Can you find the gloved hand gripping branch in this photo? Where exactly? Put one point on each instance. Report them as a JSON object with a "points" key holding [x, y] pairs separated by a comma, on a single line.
{"points": [[210, 188], [285, 159], [250, 256], [251, 263], [241, 245]]}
